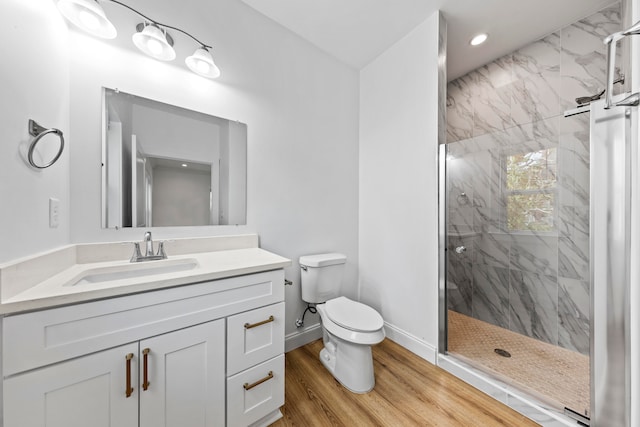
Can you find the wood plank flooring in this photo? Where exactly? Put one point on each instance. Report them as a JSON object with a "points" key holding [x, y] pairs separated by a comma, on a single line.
{"points": [[409, 391]]}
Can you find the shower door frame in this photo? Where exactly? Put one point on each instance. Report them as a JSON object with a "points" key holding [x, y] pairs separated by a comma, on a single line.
{"points": [[613, 136], [443, 328]]}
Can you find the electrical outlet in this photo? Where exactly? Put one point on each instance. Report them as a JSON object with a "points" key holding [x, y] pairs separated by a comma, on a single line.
{"points": [[54, 212]]}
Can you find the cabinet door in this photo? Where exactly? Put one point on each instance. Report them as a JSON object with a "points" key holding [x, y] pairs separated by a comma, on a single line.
{"points": [[186, 378], [88, 391]]}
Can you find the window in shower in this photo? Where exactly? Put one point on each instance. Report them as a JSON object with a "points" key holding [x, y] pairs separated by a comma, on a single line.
{"points": [[530, 191]]}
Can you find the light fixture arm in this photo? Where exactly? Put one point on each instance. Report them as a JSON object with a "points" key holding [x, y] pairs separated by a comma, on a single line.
{"points": [[159, 23]]}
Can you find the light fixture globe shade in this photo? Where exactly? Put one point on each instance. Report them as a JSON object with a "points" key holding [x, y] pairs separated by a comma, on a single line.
{"points": [[88, 16], [153, 41], [202, 64]]}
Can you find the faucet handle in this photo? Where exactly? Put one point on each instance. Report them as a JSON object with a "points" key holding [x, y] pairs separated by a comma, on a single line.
{"points": [[161, 252], [136, 252]]}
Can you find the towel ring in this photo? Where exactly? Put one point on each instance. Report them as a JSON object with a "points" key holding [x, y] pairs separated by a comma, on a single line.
{"points": [[38, 131]]}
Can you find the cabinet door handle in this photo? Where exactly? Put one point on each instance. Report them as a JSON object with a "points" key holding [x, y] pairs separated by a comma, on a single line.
{"points": [[253, 325], [129, 389], [145, 369], [248, 386]]}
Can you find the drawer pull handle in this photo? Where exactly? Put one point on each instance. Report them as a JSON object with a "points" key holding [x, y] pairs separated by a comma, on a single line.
{"points": [[129, 389], [248, 386], [253, 325], [145, 369]]}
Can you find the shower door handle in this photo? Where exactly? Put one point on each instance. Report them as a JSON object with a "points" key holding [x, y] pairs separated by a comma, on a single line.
{"points": [[461, 249], [610, 41]]}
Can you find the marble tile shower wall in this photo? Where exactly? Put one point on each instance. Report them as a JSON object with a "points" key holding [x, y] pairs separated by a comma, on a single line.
{"points": [[534, 283]]}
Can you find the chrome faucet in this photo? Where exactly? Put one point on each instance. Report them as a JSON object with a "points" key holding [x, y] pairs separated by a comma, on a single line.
{"points": [[148, 255], [148, 243]]}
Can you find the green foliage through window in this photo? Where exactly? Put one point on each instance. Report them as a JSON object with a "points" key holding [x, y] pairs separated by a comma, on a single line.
{"points": [[530, 190]]}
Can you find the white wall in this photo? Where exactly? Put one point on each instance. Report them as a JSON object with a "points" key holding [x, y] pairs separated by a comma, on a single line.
{"points": [[166, 134], [35, 85], [237, 153], [180, 196], [300, 106], [398, 239]]}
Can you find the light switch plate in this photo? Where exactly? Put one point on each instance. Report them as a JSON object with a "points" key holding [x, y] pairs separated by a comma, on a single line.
{"points": [[54, 212]]}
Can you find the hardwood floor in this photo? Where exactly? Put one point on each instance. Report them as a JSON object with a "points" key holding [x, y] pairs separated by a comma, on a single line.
{"points": [[409, 391]]}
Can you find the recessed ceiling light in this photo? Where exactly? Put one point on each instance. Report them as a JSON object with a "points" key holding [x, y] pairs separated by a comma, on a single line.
{"points": [[184, 165], [479, 39]]}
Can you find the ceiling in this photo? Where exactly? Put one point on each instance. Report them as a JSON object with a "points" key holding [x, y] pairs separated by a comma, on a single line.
{"points": [[357, 31]]}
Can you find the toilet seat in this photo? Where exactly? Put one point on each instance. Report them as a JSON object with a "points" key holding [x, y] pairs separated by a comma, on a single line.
{"points": [[353, 315], [356, 337]]}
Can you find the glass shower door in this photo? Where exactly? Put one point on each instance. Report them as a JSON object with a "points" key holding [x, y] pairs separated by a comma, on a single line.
{"points": [[517, 259]]}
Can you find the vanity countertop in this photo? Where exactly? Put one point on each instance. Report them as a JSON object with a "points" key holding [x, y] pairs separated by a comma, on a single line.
{"points": [[56, 278]]}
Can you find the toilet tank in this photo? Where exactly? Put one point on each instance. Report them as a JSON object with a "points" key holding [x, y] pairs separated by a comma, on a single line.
{"points": [[321, 276]]}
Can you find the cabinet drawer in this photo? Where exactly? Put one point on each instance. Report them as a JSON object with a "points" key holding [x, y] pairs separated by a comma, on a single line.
{"points": [[254, 336], [255, 393]]}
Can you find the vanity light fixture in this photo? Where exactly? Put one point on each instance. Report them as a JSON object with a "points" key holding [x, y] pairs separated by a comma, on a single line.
{"points": [[479, 39], [154, 41], [201, 62], [89, 16], [151, 37]]}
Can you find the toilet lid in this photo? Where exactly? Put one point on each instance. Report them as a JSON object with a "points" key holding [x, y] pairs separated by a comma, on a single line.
{"points": [[353, 315]]}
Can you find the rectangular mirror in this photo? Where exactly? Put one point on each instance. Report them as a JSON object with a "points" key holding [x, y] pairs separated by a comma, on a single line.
{"points": [[164, 165]]}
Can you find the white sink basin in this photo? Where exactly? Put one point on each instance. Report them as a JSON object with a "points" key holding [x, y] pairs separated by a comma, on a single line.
{"points": [[133, 270]]}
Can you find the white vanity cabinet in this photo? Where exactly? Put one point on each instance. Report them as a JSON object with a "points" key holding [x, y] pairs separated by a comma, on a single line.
{"points": [[162, 358]]}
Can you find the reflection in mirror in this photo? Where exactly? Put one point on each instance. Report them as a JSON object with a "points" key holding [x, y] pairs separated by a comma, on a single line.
{"points": [[167, 166]]}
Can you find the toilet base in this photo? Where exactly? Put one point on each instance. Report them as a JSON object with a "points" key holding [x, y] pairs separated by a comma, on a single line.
{"points": [[351, 364]]}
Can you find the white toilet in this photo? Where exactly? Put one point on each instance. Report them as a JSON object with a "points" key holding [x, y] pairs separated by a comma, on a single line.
{"points": [[349, 328]]}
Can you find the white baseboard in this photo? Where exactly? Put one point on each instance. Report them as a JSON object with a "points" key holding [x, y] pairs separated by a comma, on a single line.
{"points": [[412, 343], [395, 334], [300, 338]]}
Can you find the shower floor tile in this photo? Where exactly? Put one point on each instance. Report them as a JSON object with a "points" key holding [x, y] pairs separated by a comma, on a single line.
{"points": [[553, 375]]}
